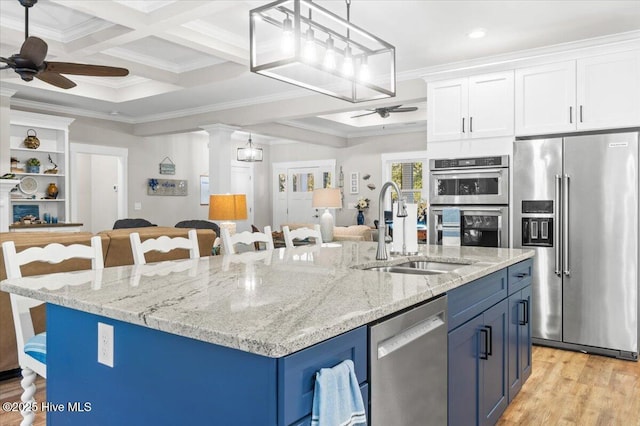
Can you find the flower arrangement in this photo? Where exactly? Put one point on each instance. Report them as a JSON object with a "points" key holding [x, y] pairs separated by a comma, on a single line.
{"points": [[363, 203], [422, 211]]}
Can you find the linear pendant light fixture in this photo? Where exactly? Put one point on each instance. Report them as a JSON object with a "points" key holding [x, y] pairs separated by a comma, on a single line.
{"points": [[301, 43]]}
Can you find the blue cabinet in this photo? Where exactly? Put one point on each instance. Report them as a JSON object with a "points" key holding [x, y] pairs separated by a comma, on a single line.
{"points": [[519, 326], [489, 356], [477, 368], [210, 384]]}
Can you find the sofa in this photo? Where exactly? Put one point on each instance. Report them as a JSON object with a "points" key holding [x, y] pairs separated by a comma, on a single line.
{"points": [[116, 249], [341, 233]]}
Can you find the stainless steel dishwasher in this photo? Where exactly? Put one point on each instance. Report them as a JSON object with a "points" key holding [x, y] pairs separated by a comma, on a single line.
{"points": [[408, 361]]}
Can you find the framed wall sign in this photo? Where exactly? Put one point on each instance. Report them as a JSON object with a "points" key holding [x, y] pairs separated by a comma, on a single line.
{"points": [[353, 183], [204, 190], [167, 167], [166, 187]]}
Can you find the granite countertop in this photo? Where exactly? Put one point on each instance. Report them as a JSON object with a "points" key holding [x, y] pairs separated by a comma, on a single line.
{"points": [[271, 303]]}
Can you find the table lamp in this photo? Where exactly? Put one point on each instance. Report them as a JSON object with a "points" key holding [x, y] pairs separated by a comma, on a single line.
{"points": [[228, 207], [327, 198]]}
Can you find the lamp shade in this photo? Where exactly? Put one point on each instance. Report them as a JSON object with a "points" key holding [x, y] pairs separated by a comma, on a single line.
{"points": [[327, 198], [227, 207]]}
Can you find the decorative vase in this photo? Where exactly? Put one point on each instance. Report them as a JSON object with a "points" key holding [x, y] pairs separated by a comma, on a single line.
{"points": [[52, 191], [360, 217], [32, 169]]}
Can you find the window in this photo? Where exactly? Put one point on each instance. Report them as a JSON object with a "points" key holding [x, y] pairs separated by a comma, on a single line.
{"points": [[408, 176]]}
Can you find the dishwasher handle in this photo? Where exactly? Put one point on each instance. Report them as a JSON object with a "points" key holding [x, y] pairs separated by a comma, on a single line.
{"points": [[410, 334]]}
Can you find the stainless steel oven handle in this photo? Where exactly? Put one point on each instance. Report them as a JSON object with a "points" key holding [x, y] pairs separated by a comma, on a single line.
{"points": [[475, 210], [565, 226], [557, 225], [463, 172]]}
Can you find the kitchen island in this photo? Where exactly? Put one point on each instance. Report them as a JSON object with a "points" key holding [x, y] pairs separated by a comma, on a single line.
{"points": [[228, 339]]}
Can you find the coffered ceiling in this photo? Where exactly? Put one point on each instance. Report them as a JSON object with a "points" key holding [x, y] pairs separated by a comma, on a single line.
{"points": [[187, 58]]}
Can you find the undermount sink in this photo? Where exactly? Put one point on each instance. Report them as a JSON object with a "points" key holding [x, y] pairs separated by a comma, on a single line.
{"points": [[427, 265], [419, 267]]}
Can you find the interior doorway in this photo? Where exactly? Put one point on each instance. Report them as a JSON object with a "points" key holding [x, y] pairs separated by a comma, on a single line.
{"points": [[293, 185], [98, 189], [242, 183]]}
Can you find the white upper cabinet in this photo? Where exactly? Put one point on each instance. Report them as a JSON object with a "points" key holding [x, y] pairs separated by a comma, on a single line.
{"points": [[609, 91], [447, 109], [491, 105], [599, 92], [545, 98], [475, 107]]}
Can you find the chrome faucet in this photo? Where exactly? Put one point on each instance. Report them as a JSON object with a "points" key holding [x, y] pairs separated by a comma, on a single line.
{"points": [[381, 254]]}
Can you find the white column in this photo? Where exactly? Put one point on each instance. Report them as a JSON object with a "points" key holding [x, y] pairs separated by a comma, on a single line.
{"points": [[221, 154], [5, 186]]}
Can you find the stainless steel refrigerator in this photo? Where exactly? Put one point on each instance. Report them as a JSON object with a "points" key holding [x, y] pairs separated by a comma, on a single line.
{"points": [[576, 204]]}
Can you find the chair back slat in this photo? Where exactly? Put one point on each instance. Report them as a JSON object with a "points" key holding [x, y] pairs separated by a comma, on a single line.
{"points": [[229, 241], [163, 244], [301, 234]]}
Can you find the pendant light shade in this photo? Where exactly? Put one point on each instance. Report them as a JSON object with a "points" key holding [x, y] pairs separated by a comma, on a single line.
{"points": [[249, 153], [301, 43]]}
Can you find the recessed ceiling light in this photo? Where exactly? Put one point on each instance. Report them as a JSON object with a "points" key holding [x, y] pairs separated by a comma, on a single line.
{"points": [[114, 113], [477, 33]]}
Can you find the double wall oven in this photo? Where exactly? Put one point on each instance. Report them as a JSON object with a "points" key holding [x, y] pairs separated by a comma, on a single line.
{"points": [[479, 187]]}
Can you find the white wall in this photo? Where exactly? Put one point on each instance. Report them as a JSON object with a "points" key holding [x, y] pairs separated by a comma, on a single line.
{"points": [[188, 151]]}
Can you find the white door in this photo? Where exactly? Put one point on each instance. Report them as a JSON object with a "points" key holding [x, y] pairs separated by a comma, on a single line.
{"points": [[491, 105], [293, 184], [545, 99], [242, 183], [302, 182], [609, 91], [447, 109], [98, 185]]}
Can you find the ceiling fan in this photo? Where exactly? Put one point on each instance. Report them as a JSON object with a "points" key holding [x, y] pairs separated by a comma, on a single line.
{"points": [[385, 111], [30, 61]]}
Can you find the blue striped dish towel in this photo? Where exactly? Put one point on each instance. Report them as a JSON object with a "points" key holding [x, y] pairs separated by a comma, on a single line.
{"points": [[451, 226], [451, 217], [337, 400]]}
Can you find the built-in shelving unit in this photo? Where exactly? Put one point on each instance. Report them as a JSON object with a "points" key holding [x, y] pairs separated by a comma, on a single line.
{"points": [[53, 134]]}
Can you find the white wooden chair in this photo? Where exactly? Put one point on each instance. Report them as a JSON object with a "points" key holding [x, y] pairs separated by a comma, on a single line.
{"points": [[32, 348], [163, 244], [301, 234], [229, 241]]}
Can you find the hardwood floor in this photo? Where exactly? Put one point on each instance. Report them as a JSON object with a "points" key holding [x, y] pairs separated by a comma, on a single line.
{"points": [[10, 391], [572, 388], [565, 388]]}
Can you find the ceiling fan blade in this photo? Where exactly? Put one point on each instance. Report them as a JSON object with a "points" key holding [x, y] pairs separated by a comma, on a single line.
{"points": [[405, 109], [391, 107], [56, 79], [34, 49], [362, 115], [85, 69]]}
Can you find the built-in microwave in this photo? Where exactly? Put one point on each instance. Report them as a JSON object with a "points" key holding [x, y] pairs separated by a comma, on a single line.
{"points": [[482, 226], [466, 181]]}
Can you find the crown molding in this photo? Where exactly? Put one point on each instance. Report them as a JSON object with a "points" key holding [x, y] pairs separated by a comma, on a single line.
{"points": [[4, 92], [545, 54], [51, 108]]}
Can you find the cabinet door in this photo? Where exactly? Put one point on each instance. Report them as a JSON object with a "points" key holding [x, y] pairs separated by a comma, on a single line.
{"points": [[525, 336], [545, 99], [516, 317], [463, 377], [491, 105], [609, 91], [447, 110], [493, 370]]}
